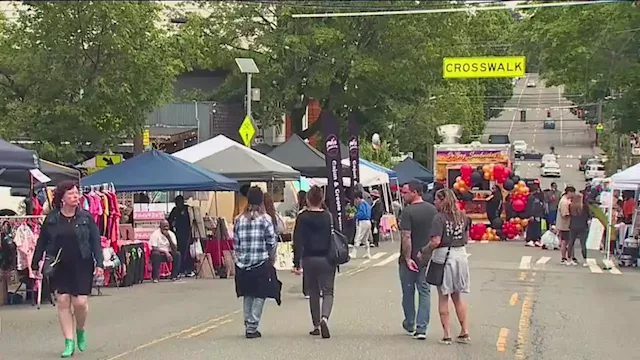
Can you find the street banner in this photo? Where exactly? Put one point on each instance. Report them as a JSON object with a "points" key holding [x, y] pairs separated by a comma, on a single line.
{"points": [[354, 150], [335, 190], [484, 67]]}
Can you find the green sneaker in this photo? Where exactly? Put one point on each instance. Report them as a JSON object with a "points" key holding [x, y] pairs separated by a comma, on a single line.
{"points": [[69, 348], [82, 340]]}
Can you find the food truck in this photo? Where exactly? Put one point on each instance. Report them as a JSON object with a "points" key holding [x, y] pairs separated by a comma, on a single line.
{"points": [[450, 155]]}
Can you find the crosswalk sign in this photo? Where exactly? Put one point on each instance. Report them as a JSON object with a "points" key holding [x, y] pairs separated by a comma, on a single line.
{"points": [[247, 131], [599, 127], [105, 160]]}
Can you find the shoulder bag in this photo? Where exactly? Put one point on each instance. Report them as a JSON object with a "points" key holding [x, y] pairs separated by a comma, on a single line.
{"points": [[50, 262], [338, 247], [435, 271]]}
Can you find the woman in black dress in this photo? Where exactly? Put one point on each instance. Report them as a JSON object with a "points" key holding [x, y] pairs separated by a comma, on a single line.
{"points": [[70, 235]]}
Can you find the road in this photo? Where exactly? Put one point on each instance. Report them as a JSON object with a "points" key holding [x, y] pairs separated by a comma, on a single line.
{"points": [[523, 305], [571, 137]]}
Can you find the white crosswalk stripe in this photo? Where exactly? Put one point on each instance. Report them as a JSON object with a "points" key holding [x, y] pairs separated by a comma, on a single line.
{"points": [[546, 263], [388, 260]]}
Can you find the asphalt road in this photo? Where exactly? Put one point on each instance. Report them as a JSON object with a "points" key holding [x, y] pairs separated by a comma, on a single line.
{"points": [[571, 137], [523, 305]]}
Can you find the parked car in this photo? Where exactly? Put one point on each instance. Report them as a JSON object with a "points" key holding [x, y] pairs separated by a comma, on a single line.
{"points": [[551, 169], [594, 171], [548, 158], [531, 84], [583, 161], [593, 161], [519, 147], [499, 139]]}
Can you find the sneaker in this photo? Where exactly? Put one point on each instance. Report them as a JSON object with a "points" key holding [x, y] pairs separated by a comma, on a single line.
{"points": [[537, 244], [584, 264], [191, 274], [463, 339], [564, 262], [408, 331], [420, 336], [574, 262], [306, 296], [446, 341], [324, 328], [530, 243], [155, 281], [253, 335], [315, 332]]}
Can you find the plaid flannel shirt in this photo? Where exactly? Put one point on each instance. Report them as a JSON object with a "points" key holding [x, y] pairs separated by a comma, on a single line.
{"points": [[254, 240]]}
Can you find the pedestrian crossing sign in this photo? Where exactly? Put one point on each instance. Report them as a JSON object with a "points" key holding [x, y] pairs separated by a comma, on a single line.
{"points": [[105, 160], [599, 127], [247, 131]]}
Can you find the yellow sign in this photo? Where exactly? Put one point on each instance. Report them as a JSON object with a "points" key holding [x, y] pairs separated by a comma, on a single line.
{"points": [[104, 160], [599, 127], [247, 131], [484, 67], [146, 138]]}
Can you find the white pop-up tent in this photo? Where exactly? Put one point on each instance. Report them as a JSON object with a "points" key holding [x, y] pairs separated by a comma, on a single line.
{"points": [[368, 177], [628, 179]]}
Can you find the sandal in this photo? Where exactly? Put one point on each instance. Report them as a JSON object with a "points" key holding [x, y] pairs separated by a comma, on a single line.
{"points": [[446, 341], [463, 339]]}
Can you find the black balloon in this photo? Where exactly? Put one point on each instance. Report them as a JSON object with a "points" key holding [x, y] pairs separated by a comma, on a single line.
{"points": [[467, 196], [476, 178], [497, 223], [515, 179], [509, 184]]}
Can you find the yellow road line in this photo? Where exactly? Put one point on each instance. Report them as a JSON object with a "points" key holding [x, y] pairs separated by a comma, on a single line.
{"points": [[501, 344], [514, 299], [524, 325], [207, 329], [172, 336]]}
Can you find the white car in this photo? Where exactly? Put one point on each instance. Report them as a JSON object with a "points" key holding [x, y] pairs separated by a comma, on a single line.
{"points": [[531, 84], [548, 158], [593, 161], [519, 147], [551, 169], [594, 171]]}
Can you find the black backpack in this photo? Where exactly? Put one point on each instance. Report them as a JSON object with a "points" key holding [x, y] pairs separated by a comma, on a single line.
{"points": [[339, 247]]}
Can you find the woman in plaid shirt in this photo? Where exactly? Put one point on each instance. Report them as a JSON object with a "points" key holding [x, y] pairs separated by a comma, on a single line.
{"points": [[255, 244]]}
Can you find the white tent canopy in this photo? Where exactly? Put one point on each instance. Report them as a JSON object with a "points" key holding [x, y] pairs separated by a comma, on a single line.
{"points": [[229, 158], [368, 177], [629, 176]]}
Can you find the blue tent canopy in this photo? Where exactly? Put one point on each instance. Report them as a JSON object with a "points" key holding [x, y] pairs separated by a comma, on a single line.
{"points": [[409, 169], [392, 174], [157, 171]]}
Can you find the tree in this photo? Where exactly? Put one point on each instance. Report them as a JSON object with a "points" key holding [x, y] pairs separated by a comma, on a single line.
{"points": [[385, 70], [593, 51], [78, 72]]}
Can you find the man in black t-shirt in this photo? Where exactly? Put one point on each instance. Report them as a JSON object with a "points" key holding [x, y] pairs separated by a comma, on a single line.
{"points": [[415, 227]]}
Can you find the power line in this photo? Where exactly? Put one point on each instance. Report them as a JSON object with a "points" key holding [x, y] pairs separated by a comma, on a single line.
{"points": [[451, 10]]}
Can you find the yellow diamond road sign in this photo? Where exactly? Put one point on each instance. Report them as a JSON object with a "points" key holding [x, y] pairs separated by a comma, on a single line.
{"points": [[247, 131], [105, 160], [599, 127]]}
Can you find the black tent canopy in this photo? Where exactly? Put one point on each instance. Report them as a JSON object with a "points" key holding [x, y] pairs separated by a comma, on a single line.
{"points": [[57, 174], [13, 157], [409, 169], [303, 157]]}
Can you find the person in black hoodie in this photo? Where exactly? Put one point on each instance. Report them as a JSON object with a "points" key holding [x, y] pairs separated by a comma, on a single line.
{"points": [[578, 227], [536, 212], [312, 237], [377, 210]]}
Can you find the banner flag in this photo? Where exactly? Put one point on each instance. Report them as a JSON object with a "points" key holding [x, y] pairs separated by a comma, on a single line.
{"points": [[335, 190], [354, 150]]}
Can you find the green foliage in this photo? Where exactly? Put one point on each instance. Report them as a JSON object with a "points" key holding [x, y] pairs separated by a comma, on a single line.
{"points": [[381, 156], [591, 50], [387, 70], [82, 72]]}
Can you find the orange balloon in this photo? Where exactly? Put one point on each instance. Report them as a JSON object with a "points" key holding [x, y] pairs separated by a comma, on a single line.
{"points": [[485, 168], [494, 232], [458, 179], [463, 189], [522, 183], [485, 236], [489, 230], [519, 227], [456, 186], [525, 222], [487, 176], [517, 219], [492, 177]]}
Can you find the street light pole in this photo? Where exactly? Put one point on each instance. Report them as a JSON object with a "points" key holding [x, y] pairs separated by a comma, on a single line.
{"points": [[249, 94]]}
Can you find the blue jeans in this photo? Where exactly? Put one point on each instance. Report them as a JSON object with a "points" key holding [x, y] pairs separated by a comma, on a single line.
{"points": [[411, 281], [253, 307]]}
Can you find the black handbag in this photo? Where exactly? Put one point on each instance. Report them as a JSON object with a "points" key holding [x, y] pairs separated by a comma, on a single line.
{"points": [[49, 264], [435, 271]]}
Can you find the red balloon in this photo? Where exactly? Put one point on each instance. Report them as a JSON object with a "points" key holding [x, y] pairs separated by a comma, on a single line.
{"points": [[460, 204], [518, 205], [507, 173], [511, 236], [466, 170], [498, 171]]}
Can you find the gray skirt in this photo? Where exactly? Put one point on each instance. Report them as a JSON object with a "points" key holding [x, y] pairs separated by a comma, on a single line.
{"points": [[456, 271]]}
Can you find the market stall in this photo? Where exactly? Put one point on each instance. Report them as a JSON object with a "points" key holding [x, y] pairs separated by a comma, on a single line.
{"points": [[55, 172], [303, 157], [408, 170], [627, 242], [153, 171]]}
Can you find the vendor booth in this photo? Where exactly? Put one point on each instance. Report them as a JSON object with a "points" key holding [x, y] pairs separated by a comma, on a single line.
{"points": [[152, 171], [229, 158], [303, 157], [624, 237], [408, 170], [55, 172]]}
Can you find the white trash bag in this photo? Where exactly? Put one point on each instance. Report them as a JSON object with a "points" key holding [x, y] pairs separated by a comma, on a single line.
{"points": [[550, 240]]}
